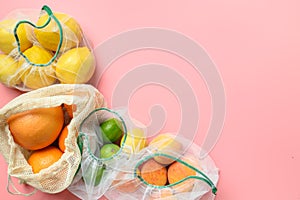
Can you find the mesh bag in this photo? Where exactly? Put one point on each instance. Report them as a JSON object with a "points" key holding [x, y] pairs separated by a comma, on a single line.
{"points": [[98, 173], [130, 183], [41, 48], [58, 176]]}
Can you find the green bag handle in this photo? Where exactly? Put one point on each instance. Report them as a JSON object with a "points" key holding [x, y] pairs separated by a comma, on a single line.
{"points": [[51, 16], [204, 178], [83, 137]]}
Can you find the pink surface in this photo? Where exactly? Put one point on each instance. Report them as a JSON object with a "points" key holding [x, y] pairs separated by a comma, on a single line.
{"points": [[255, 45]]}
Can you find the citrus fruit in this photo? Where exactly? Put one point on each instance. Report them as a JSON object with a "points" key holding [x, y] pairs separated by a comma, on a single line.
{"points": [[178, 171], [9, 71], [154, 173], [7, 38], [165, 143], [108, 150], [44, 158], [61, 139], [111, 130], [135, 141], [35, 76], [93, 175], [49, 36], [37, 128], [75, 66]]}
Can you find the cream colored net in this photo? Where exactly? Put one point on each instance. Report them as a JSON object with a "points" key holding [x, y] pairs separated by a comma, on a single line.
{"points": [[59, 176]]}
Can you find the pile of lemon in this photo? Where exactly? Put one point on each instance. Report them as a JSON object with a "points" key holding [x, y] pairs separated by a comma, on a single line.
{"points": [[75, 62]]}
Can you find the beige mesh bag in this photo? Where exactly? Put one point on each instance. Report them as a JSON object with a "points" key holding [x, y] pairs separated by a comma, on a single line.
{"points": [[58, 176]]}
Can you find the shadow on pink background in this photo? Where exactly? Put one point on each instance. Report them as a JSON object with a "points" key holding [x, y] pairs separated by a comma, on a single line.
{"points": [[256, 46]]}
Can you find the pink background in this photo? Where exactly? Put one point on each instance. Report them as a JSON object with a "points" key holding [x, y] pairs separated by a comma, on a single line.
{"points": [[256, 46]]}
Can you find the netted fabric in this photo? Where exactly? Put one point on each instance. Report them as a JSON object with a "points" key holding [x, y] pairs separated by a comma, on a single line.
{"points": [[58, 176]]}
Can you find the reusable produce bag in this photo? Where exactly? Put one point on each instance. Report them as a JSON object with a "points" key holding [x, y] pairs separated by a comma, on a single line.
{"points": [[40, 49], [130, 185], [60, 175], [97, 174]]}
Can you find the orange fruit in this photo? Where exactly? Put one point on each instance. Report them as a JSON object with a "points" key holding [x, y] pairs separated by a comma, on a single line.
{"points": [[178, 171], [61, 139], [37, 128], [154, 173], [43, 158]]}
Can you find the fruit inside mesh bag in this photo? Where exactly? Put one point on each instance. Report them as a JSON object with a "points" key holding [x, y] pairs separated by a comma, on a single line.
{"points": [[42, 49]]}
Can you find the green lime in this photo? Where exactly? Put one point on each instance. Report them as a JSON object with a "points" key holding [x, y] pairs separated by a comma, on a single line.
{"points": [[112, 130], [108, 150], [80, 146], [93, 175], [80, 143]]}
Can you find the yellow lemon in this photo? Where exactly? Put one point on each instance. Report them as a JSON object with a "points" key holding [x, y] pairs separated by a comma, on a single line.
{"points": [[35, 76], [49, 36], [165, 143], [75, 66], [9, 71], [135, 141], [7, 38]]}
